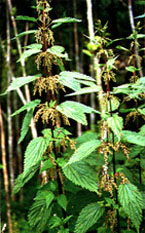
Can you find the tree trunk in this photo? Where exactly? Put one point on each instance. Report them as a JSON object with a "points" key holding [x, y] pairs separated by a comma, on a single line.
{"points": [[77, 64], [132, 24], [10, 130], [5, 172]]}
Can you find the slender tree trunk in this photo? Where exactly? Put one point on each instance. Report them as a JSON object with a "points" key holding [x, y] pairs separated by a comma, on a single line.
{"points": [[95, 73], [79, 126], [10, 130], [132, 24], [5, 172]]}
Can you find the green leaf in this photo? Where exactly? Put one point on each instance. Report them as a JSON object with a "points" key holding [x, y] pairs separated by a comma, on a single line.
{"points": [[25, 33], [80, 173], [23, 178], [41, 210], [25, 125], [60, 21], [131, 69], [116, 124], [132, 202], [133, 137], [62, 201], [34, 151], [30, 105], [19, 82], [85, 90], [58, 51], [140, 16], [89, 215], [28, 53], [46, 165], [110, 63], [70, 83], [84, 151], [76, 75], [54, 222], [75, 111], [27, 18], [34, 46], [122, 48]]}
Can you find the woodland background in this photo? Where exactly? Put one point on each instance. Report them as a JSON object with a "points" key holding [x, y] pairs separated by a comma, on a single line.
{"points": [[74, 38]]}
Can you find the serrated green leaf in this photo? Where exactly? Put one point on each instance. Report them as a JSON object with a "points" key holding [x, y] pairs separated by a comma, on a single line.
{"points": [[28, 53], [34, 151], [62, 201], [131, 69], [133, 137], [70, 83], [140, 16], [110, 63], [41, 210], [25, 125], [25, 33], [122, 48], [60, 21], [85, 90], [26, 18], [75, 111], [34, 46], [132, 202], [84, 151], [80, 173], [116, 124], [58, 51], [89, 215], [55, 221], [76, 75], [30, 105], [46, 165], [23, 178], [19, 82]]}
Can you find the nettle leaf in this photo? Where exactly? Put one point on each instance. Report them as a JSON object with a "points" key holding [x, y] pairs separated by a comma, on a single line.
{"points": [[80, 173], [75, 111], [41, 210], [34, 151], [58, 50], [26, 18], [133, 137], [30, 105], [74, 79], [24, 33], [70, 83], [131, 69], [60, 21], [116, 124], [23, 178], [19, 82], [122, 48], [132, 202], [89, 215], [62, 201], [85, 90], [25, 125], [76, 75], [110, 63], [34, 46], [28, 53], [84, 151], [140, 16]]}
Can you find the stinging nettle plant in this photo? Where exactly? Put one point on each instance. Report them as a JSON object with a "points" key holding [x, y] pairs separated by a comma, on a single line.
{"points": [[94, 173]]}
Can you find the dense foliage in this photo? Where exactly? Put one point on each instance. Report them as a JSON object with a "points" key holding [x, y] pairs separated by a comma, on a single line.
{"points": [[94, 182]]}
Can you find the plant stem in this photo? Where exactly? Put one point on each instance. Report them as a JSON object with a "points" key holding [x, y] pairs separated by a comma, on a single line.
{"points": [[131, 18], [79, 126], [9, 112], [5, 172]]}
